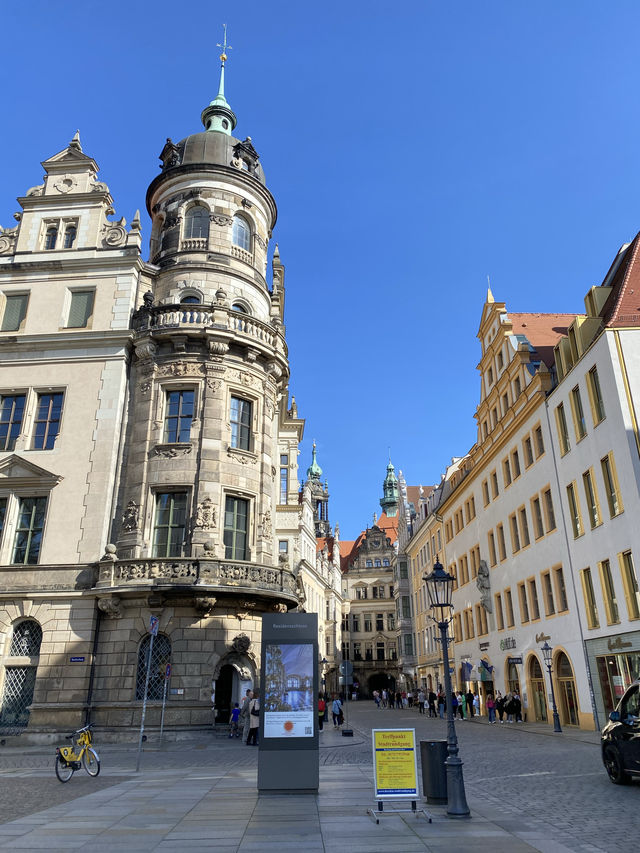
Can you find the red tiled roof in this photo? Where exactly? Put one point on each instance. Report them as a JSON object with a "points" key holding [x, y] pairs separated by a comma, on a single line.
{"points": [[622, 308], [543, 331]]}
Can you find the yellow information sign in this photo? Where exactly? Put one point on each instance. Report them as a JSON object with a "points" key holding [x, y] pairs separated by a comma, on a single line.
{"points": [[395, 764]]}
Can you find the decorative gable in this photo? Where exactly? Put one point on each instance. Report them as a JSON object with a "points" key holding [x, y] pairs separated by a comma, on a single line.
{"points": [[18, 473]]}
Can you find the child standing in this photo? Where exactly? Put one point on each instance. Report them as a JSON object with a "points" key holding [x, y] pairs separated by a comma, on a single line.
{"points": [[234, 728]]}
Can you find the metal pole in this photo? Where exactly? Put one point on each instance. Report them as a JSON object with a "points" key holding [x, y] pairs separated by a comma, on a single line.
{"points": [[556, 718], [456, 798], [144, 703], [164, 702]]}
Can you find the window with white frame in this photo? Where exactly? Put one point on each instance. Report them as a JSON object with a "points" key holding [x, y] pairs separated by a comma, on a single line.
{"points": [[15, 312], [80, 309], [169, 524], [241, 413], [11, 416], [46, 425], [241, 233], [236, 528], [29, 527], [179, 409]]}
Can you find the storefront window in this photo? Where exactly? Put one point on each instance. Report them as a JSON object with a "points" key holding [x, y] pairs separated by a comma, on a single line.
{"points": [[616, 673]]}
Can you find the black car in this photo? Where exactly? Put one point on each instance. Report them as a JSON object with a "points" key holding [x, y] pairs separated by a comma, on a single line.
{"points": [[621, 738]]}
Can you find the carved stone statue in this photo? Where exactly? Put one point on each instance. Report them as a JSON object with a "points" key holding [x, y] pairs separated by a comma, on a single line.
{"points": [[131, 516], [206, 515], [483, 582]]}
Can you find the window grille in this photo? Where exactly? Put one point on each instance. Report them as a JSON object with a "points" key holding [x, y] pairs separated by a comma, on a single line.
{"points": [[26, 640], [19, 684], [160, 657]]}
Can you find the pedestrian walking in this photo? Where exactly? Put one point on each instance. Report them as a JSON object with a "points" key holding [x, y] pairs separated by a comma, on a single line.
{"points": [[491, 708], [234, 729], [421, 700], [517, 707], [376, 698], [254, 719], [476, 704], [461, 703], [469, 698], [399, 699], [454, 705], [500, 706], [509, 707], [409, 699], [244, 714], [322, 709], [432, 703], [441, 702], [385, 697], [336, 711], [392, 699]]}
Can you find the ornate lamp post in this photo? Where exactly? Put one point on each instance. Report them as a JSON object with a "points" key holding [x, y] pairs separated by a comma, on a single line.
{"points": [[547, 652], [439, 589]]}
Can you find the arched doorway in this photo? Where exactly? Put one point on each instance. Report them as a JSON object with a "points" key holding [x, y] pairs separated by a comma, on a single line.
{"points": [[513, 678], [567, 695], [537, 690], [227, 692], [380, 681]]}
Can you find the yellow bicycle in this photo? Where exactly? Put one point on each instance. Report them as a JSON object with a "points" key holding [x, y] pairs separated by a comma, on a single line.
{"points": [[80, 753]]}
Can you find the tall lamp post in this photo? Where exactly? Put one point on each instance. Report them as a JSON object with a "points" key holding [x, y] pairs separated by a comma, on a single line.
{"points": [[439, 589], [547, 653]]}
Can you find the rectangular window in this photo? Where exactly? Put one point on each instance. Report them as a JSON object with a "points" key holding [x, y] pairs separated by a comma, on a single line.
{"points": [[368, 623], [464, 570], [536, 515], [609, 593], [533, 599], [508, 600], [169, 526], [589, 599], [502, 547], [403, 571], [595, 396], [550, 517], [284, 478], [468, 619], [563, 432], [485, 492], [515, 464], [524, 527], [524, 607], [612, 490], [494, 485], [391, 622], [547, 593], [579, 422], [236, 528], [47, 421], [11, 414], [591, 496], [178, 416], [408, 644], [15, 311], [379, 621], [515, 536], [357, 651], [406, 607], [574, 510], [481, 620], [527, 449], [630, 582], [499, 613], [492, 548], [457, 628], [80, 309], [380, 650], [241, 423], [3, 513], [517, 388], [28, 538], [355, 623], [561, 590], [539, 442], [506, 472], [283, 548]]}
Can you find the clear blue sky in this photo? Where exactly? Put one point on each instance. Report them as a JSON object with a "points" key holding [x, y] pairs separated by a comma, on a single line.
{"points": [[413, 149]]}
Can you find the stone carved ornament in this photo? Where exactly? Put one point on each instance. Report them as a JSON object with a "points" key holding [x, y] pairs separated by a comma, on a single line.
{"points": [[170, 452], [265, 525], [181, 368], [204, 604], [115, 235], [206, 515], [241, 644], [131, 516], [483, 582], [221, 219], [110, 606]]}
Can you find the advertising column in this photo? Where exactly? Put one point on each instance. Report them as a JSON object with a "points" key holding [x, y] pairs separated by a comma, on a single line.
{"points": [[288, 754]]}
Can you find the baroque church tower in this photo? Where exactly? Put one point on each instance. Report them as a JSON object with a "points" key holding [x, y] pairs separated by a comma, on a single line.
{"points": [[157, 395]]}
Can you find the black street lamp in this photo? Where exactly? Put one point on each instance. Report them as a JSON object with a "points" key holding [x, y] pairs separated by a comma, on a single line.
{"points": [[439, 589], [547, 653]]}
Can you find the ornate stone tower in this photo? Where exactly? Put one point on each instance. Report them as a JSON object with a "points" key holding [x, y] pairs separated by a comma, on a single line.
{"points": [[319, 497], [389, 499]]}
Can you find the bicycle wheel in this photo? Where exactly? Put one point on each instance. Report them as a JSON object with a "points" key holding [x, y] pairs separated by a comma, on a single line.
{"points": [[90, 761], [63, 771]]}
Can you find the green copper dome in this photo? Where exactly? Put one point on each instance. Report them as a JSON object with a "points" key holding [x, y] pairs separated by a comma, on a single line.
{"points": [[314, 471]]}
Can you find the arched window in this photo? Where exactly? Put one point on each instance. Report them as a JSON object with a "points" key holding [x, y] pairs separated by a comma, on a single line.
{"points": [[241, 235], [160, 657], [69, 236], [190, 300], [238, 307], [20, 680], [196, 223], [51, 237]]}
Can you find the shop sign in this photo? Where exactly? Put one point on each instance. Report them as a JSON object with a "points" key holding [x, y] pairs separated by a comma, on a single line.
{"points": [[516, 660], [507, 643], [394, 763], [484, 646], [618, 643], [542, 637]]}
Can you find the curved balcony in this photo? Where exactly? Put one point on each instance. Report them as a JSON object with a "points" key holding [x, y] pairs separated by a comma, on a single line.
{"points": [[197, 318], [214, 576]]}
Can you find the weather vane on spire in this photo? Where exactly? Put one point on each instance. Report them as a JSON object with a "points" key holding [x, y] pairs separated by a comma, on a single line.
{"points": [[225, 47]]}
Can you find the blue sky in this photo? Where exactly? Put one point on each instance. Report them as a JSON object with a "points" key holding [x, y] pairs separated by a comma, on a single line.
{"points": [[413, 149]]}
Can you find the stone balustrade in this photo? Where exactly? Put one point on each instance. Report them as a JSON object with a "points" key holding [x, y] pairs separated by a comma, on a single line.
{"points": [[210, 575]]}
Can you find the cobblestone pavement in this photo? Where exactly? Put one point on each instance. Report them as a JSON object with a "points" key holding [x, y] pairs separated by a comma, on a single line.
{"points": [[548, 790]]}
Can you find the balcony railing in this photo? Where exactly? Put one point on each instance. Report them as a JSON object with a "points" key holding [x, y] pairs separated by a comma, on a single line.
{"points": [[207, 574]]}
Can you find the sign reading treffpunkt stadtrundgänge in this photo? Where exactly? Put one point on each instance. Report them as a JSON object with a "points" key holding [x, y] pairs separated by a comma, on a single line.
{"points": [[288, 701], [394, 763]]}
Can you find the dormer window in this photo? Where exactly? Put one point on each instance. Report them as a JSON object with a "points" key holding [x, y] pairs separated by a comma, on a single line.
{"points": [[196, 223], [51, 237], [69, 236], [241, 234]]}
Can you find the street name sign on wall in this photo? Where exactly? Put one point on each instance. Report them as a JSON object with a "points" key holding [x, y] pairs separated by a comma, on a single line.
{"points": [[395, 764]]}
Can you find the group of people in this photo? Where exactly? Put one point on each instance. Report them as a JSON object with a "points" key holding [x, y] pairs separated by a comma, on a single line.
{"points": [[336, 711], [246, 719], [465, 705]]}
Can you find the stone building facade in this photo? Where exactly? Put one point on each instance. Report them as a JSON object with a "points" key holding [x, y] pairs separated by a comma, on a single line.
{"points": [[146, 404]]}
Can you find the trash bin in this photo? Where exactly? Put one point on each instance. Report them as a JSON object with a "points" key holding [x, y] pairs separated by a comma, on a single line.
{"points": [[433, 754]]}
